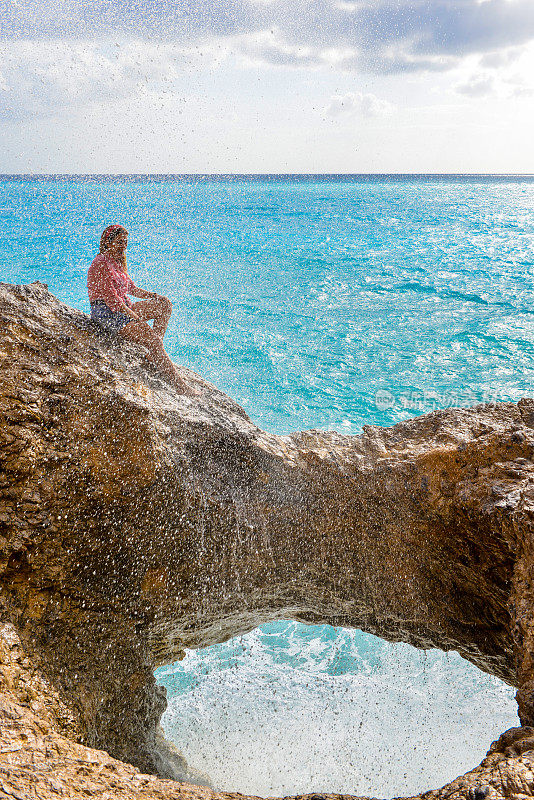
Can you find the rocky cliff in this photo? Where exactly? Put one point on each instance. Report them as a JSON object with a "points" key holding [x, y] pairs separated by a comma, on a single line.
{"points": [[135, 522]]}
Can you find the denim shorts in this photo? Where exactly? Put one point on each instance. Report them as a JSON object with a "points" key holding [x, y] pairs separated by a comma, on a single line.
{"points": [[112, 320]]}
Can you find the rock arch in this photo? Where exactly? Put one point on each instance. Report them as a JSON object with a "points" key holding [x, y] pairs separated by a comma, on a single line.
{"points": [[134, 523]]}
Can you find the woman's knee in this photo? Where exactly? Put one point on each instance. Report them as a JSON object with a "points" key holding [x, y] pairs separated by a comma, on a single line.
{"points": [[165, 305]]}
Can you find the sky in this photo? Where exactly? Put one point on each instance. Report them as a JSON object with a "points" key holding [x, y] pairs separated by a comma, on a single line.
{"points": [[266, 86]]}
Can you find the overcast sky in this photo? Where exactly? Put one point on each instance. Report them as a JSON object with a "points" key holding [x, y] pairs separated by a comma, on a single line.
{"points": [[267, 86]]}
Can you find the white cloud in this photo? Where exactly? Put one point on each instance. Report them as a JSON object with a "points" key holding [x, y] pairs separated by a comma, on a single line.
{"points": [[477, 86], [501, 76], [49, 78], [518, 86], [382, 35], [267, 47], [272, 47], [500, 58], [358, 104]]}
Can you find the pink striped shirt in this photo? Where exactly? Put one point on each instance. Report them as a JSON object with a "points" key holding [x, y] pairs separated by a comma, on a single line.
{"points": [[106, 281]]}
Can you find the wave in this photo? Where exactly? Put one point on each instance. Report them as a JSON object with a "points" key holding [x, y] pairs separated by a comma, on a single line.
{"points": [[429, 288]]}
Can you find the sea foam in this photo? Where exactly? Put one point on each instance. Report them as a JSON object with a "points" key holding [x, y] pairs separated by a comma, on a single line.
{"points": [[292, 708]]}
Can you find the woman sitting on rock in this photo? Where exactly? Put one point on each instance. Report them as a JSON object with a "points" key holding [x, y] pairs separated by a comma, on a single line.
{"points": [[108, 283]]}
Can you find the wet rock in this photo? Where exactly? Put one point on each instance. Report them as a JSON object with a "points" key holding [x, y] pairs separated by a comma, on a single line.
{"points": [[135, 522], [478, 792]]}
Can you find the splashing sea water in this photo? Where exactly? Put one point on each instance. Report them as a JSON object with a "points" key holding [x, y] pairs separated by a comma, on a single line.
{"points": [[292, 708], [316, 303]]}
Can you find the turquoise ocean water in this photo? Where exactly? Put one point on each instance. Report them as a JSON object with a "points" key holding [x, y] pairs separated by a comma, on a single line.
{"points": [[330, 303]]}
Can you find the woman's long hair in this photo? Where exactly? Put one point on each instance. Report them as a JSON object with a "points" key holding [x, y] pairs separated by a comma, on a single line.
{"points": [[105, 240]]}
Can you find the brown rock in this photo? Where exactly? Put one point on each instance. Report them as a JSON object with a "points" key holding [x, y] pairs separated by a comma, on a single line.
{"points": [[135, 522]]}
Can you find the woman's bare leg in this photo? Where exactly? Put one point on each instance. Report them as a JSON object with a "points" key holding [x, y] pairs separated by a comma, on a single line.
{"points": [[159, 309], [141, 333]]}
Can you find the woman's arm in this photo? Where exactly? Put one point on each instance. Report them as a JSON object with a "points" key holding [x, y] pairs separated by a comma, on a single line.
{"points": [[126, 309], [142, 293]]}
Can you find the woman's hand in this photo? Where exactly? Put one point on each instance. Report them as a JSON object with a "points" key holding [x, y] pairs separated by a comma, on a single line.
{"points": [[129, 311]]}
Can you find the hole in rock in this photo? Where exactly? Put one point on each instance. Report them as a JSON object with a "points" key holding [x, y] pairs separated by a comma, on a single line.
{"points": [[295, 709]]}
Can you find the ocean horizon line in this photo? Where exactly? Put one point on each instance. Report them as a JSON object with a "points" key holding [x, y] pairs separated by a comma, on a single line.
{"points": [[268, 176]]}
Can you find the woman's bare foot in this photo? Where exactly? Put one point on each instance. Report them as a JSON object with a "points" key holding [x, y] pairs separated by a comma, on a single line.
{"points": [[183, 388]]}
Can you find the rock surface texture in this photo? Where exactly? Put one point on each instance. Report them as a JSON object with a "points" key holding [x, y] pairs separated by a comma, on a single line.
{"points": [[135, 522]]}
